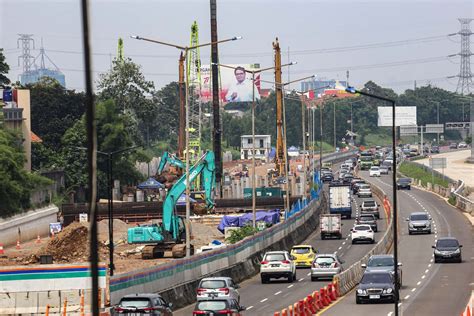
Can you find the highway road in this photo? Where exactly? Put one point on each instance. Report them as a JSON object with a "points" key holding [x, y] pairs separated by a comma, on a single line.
{"points": [[264, 299], [428, 288]]}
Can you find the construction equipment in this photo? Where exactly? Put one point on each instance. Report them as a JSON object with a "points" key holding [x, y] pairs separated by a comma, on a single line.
{"points": [[170, 159], [171, 233]]}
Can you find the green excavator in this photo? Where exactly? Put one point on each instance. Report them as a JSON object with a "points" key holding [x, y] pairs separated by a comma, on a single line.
{"points": [[170, 234]]}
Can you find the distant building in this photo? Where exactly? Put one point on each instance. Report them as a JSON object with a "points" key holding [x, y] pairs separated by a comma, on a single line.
{"points": [[16, 115], [34, 76], [262, 147]]}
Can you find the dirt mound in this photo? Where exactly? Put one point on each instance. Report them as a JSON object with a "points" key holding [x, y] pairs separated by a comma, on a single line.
{"points": [[71, 245], [120, 230], [203, 234]]}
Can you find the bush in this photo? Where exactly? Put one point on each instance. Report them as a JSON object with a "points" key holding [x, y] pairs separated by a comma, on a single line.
{"points": [[452, 200], [417, 172], [241, 233]]}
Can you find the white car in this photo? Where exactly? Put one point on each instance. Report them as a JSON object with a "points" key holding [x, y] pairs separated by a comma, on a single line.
{"points": [[277, 264], [364, 191], [374, 171], [462, 145], [362, 232], [217, 287]]}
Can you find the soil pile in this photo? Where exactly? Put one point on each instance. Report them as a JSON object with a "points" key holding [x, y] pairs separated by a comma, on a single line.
{"points": [[120, 230], [203, 234]]}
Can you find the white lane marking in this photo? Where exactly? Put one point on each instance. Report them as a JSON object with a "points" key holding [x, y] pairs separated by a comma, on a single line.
{"points": [[308, 274], [277, 293], [413, 289], [429, 266], [426, 271], [337, 249], [265, 299], [344, 243], [406, 297], [431, 260], [419, 282], [390, 314], [423, 276], [300, 280], [250, 307], [399, 304], [290, 286]]}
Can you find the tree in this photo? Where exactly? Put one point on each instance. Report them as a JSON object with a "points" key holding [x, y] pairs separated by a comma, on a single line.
{"points": [[4, 68], [16, 183]]}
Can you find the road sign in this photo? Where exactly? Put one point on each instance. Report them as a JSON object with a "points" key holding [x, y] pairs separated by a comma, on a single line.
{"points": [[438, 163], [410, 130], [434, 128], [457, 125], [404, 115]]}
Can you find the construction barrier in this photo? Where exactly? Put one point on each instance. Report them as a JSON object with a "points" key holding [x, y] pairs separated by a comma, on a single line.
{"points": [[468, 309]]}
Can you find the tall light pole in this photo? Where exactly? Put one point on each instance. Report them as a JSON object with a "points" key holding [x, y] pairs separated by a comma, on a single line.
{"points": [[254, 72], [186, 49], [394, 188]]}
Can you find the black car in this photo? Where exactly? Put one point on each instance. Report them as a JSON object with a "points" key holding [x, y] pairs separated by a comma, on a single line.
{"points": [[149, 304], [218, 307], [376, 286], [435, 149], [368, 219], [447, 249], [327, 176], [404, 183], [347, 178]]}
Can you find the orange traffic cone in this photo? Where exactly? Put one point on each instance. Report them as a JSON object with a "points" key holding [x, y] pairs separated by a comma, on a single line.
{"points": [[18, 246], [38, 239], [52, 234], [2, 252]]}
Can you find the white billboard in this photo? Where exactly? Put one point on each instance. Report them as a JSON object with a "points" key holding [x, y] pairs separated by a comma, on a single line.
{"points": [[236, 84], [404, 115]]}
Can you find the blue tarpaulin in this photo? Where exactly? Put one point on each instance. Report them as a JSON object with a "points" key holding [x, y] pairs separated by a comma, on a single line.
{"points": [[182, 200], [270, 217], [150, 184]]}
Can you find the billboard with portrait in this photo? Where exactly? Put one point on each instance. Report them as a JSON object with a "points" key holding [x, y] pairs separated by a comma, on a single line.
{"points": [[236, 84]]}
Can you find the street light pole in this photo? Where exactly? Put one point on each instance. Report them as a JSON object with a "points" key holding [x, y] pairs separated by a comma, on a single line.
{"points": [[394, 188], [186, 49]]}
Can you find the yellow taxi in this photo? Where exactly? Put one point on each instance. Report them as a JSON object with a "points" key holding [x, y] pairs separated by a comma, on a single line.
{"points": [[304, 255]]}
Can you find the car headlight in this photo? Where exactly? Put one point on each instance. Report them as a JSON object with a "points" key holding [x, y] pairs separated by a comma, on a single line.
{"points": [[388, 291], [410, 225], [437, 252], [457, 251], [360, 291]]}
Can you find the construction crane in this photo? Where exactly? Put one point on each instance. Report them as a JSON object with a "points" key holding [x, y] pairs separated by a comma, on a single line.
{"points": [[280, 155], [193, 67]]}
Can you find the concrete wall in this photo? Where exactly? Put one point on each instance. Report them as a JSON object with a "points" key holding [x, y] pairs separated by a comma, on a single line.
{"points": [[27, 226]]}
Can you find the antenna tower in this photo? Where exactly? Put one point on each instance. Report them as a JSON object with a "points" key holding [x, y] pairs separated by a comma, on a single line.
{"points": [[195, 107], [28, 60], [465, 83]]}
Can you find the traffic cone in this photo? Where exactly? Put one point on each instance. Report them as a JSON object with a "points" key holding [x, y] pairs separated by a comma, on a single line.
{"points": [[38, 239], [2, 252], [18, 246], [52, 234]]}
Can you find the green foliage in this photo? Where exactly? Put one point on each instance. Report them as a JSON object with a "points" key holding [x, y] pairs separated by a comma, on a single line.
{"points": [[468, 140], [4, 68], [16, 183], [452, 200], [241, 233], [417, 172]]}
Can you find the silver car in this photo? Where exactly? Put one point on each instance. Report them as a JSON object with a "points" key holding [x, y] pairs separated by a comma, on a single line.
{"points": [[326, 266], [419, 222], [217, 287]]}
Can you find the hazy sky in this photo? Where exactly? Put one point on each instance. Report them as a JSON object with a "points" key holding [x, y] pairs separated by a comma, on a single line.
{"points": [[320, 36]]}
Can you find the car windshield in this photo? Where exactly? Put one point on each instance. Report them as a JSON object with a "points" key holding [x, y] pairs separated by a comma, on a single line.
{"points": [[275, 257], [138, 302], [363, 227], [213, 284], [365, 186], [300, 251], [324, 260], [447, 243], [374, 168], [366, 218], [404, 180], [380, 262], [419, 217], [369, 203], [211, 305], [376, 278]]}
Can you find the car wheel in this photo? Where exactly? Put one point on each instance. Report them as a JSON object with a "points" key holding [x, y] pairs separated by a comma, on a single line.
{"points": [[313, 279], [436, 260], [264, 280], [429, 232], [409, 188], [290, 278], [409, 232], [460, 260], [358, 301], [323, 237], [372, 241]]}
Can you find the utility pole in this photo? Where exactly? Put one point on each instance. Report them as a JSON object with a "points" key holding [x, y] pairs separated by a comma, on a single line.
{"points": [[215, 96], [465, 83], [280, 156]]}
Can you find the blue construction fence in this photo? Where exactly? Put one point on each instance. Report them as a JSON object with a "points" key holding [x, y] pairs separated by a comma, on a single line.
{"points": [[303, 202]]}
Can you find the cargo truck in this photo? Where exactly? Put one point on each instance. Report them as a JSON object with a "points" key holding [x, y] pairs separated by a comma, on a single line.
{"points": [[340, 199], [330, 225]]}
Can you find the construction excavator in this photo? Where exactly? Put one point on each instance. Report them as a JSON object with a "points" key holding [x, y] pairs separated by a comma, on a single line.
{"points": [[170, 234], [171, 159]]}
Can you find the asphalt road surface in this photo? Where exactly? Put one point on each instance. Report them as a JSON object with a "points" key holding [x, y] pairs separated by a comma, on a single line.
{"points": [[264, 299], [428, 288]]}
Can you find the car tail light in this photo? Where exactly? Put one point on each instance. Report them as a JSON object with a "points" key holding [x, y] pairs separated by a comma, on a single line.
{"points": [[199, 313], [285, 262], [264, 262], [200, 291], [225, 312], [224, 290], [335, 265], [119, 310]]}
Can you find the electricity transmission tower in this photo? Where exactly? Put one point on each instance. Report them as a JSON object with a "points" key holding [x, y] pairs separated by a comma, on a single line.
{"points": [[28, 59], [465, 83]]}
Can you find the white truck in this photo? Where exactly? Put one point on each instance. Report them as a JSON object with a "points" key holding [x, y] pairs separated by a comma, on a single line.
{"points": [[340, 199], [330, 225]]}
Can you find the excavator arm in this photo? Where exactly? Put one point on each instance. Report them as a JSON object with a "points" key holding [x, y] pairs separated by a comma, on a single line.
{"points": [[172, 160], [205, 166]]}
